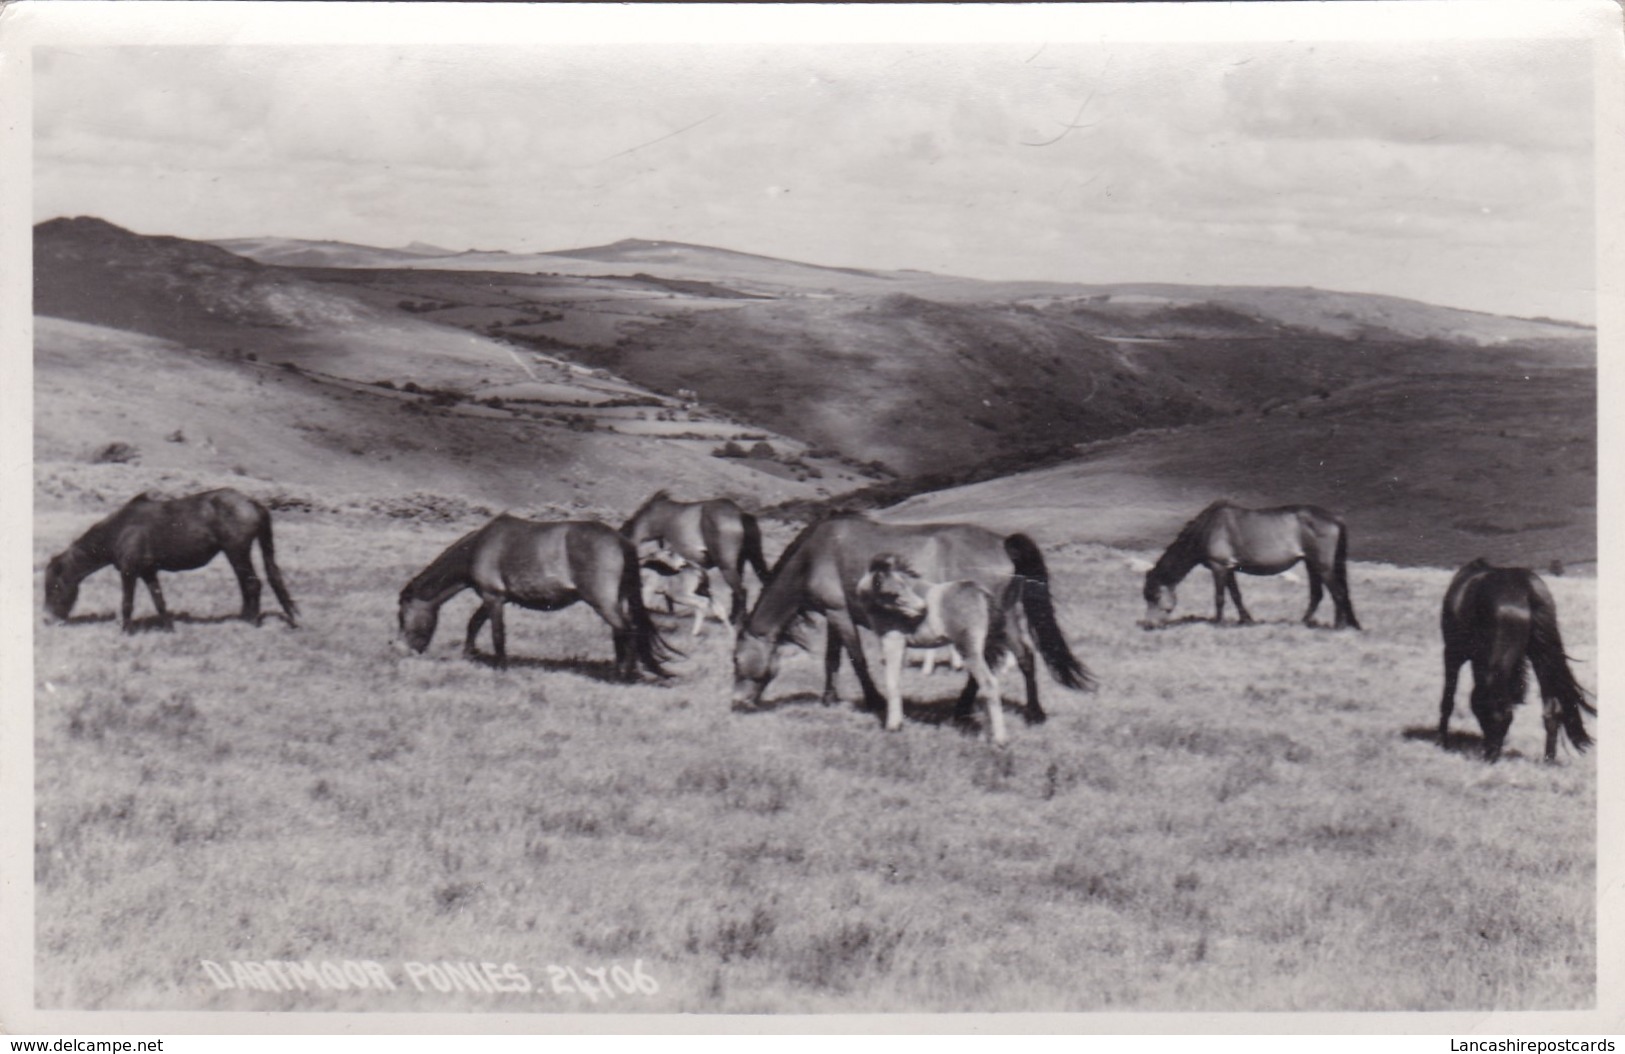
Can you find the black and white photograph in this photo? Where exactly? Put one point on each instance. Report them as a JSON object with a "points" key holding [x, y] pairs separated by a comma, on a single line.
{"points": [[558, 516]]}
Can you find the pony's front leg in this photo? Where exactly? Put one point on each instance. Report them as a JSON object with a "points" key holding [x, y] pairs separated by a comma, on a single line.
{"points": [[164, 619], [499, 633], [471, 648], [127, 606], [841, 623], [893, 653], [1447, 704], [832, 665], [1242, 614], [1218, 595]]}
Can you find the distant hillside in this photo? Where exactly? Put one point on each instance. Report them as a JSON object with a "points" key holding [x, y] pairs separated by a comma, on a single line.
{"points": [[285, 252], [1440, 432], [1430, 469], [1121, 308]]}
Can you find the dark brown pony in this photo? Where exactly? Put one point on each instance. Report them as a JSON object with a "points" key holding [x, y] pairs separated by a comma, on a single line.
{"points": [[1227, 538], [1503, 620], [819, 573], [150, 534], [715, 533], [543, 567]]}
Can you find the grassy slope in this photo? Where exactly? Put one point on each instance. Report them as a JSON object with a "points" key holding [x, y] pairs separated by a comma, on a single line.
{"points": [[1241, 819], [289, 434]]}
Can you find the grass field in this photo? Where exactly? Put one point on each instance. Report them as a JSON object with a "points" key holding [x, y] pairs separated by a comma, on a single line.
{"points": [[1241, 819]]}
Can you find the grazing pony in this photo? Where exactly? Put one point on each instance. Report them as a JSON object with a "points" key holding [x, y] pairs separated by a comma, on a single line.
{"points": [[543, 567], [1227, 538], [715, 533], [1503, 620], [669, 577], [904, 610], [818, 575], [151, 534]]}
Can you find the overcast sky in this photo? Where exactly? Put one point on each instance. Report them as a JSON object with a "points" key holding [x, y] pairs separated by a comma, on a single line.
{"points": [[1456, 174]]}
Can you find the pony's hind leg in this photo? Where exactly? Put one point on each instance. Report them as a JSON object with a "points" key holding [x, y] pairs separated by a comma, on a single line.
{"points": [[1316, 589], [1552, 714], [735, 578], [164, 619], [1341, 603], [991, 699], [1035, 714], [249, 583]]}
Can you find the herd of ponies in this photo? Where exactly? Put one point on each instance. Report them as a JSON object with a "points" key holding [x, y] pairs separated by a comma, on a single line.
{"points": [[923, 586]]}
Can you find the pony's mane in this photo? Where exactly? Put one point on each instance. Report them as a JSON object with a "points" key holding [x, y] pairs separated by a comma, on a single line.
{"points": [[1184, 552], [446, 568], [806, 532], [660, 495]]}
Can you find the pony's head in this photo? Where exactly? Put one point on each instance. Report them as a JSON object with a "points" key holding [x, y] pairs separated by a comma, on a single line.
{"points": [[756, 662], [891, 585], [657, 556], [418, 619], [61, 590], [1160, 599], [1493, 700]]}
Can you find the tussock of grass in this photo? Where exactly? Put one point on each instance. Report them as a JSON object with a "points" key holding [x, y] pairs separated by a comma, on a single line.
{"points": [[1240, 819]]}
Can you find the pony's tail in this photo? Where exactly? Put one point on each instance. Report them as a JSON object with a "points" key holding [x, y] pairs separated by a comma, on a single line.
{"points": [[1552, 671], [273, 574], [752, 551], [1040, 610], [652, 649], [1340, 568]]}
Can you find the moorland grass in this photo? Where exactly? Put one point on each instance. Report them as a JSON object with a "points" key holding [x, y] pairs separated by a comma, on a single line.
{"points": [[1241, 819]]}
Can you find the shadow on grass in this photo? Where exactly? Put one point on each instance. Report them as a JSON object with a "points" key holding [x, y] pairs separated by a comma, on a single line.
{"points": [[601, 670], [1468, 744], [153, 624], [1231, 623], [945, 712], [783, 702]]}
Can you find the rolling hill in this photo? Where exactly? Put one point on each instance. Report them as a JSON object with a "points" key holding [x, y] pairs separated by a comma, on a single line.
{"points": [[165, 362], [1442, 433]]}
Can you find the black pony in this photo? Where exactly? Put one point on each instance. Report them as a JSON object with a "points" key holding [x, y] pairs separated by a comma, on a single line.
{"points": [[1503, 620], [150, 534]]}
